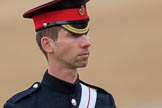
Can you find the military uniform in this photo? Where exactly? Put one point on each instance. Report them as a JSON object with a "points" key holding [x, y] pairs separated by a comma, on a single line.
{"points": [[72, 16], [55, 93]]}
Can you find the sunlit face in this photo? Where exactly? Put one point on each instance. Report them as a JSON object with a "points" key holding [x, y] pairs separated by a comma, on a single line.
{"points": [[71, 51]]}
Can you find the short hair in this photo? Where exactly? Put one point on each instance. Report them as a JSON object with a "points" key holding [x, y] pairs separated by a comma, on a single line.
{"points": [[51, 32]]}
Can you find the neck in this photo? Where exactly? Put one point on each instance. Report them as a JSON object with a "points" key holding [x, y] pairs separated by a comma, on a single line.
{"points": [[68, 75]]}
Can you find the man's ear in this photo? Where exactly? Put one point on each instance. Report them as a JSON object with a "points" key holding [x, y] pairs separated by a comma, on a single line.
{"points": [[47, 44]]}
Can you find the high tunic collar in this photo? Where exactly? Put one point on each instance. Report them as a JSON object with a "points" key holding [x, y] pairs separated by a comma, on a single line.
{"points": [[58, 85]]}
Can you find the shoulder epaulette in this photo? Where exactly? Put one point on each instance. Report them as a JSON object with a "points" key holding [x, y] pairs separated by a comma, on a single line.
{"points": [[25, 93], [95, 87]]}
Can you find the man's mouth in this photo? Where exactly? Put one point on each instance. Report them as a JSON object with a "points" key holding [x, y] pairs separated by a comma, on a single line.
{"points": [[84, 55]]}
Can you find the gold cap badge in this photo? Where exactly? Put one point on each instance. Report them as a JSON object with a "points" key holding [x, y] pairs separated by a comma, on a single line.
{"points": [[82, 10]]}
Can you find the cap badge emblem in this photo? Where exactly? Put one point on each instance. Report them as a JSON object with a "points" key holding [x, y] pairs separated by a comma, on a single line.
{"points": [[82, 10]]}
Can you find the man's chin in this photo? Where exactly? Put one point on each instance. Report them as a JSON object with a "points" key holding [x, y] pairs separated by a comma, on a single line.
{"points": [[82, 65]]}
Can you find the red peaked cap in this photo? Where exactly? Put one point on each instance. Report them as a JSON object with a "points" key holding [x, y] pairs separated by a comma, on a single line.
{"points": [[70, 14]]}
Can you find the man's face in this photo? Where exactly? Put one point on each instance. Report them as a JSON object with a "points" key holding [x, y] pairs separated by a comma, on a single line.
{"points": [[71, 51]]}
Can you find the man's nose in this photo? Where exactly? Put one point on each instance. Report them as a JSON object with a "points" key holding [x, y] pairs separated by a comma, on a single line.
{"points": [[85, 41]]}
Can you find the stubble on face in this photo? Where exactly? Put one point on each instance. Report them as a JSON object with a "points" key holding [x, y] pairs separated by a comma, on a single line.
{"points": [[68, 53]]}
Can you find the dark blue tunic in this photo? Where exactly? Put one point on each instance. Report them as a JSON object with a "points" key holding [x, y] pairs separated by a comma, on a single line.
{"points": [[55, 93]]}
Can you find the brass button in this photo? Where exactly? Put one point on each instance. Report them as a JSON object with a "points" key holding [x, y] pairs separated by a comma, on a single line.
{"points": [[45, 25], [35, 85], [74, 103]]}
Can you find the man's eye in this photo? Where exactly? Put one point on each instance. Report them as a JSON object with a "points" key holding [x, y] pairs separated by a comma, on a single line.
{"points": [[76, 35]]}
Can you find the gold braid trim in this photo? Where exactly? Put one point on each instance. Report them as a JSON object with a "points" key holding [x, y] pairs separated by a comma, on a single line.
{"points": [[75, 30]]}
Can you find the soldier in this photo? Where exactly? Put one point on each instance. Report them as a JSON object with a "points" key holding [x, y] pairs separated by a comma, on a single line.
{"points": [[61, 33]]}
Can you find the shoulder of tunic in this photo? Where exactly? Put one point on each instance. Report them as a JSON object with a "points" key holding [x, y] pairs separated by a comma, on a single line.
{"points": [[22, 95], [103, 95], [99, 89]]}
